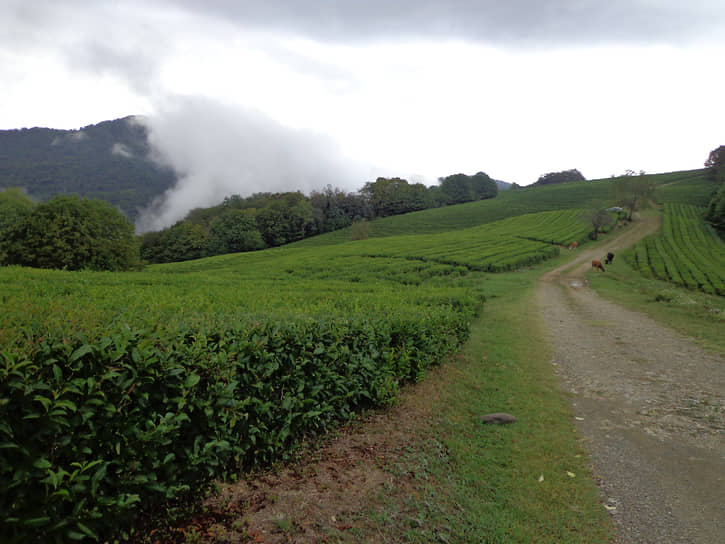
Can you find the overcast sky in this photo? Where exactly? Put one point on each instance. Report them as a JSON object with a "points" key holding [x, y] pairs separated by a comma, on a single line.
{"points": [[256, 95]]}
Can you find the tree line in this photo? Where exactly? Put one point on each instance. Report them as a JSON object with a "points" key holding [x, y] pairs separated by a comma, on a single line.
{"points": [[74, 233], [265, 220]]}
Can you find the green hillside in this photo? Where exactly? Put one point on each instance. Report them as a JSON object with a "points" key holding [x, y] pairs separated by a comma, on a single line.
{"points": [[109, 161], [119, 391], [687, 186]]}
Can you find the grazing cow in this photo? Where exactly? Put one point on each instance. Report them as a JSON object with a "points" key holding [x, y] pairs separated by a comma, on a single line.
{"points": [[598, 265], [610, 258], [573, 245]]}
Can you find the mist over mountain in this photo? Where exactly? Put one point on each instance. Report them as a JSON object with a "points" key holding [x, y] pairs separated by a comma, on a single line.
{"points": [[156, 170], [111, 161]]}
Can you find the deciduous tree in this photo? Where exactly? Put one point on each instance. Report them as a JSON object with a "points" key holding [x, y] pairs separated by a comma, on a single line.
{"points": [[560, 177], [459, 188], [715, 164], [234, 231], [72, 233], [599, 218], [14, 207], [633, 192]]}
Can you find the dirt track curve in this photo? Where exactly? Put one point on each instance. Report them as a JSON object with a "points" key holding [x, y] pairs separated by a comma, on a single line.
{"points": [[649, 404]]}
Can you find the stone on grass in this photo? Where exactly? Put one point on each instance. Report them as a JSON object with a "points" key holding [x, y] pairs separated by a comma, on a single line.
{"points": [[498, 418]]}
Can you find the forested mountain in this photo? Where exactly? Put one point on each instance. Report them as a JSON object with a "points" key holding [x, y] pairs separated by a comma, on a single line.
{"points": [[109, 161]]}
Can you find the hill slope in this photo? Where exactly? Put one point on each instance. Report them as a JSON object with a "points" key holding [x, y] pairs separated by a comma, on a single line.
{"points": [[689, 186], [109, 160]]}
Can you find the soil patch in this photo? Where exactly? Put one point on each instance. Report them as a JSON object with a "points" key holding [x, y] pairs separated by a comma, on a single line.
{"points": [[328, 492]]}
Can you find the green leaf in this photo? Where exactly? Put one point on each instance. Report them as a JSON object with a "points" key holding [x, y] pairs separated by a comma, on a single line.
{"points": [[6, 429], [86, 531], [44, 401], [62, 493], [191, 380], [97, 477], [66, 404], [81, 351], [36, 522], [58, 373], [42, 464]]}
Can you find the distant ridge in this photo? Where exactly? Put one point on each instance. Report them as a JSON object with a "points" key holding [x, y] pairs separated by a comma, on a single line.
{"points": [[109, 160]]}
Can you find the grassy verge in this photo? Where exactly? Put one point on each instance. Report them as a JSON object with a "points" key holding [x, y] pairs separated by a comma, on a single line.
{"points": [[692, 313], [525, 482]]}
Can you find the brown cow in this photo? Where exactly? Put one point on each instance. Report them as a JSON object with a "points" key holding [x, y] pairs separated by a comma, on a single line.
{"points": [[573, 245], [598, 265]]}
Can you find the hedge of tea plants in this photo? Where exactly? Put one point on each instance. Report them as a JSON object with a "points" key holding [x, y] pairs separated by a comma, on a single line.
{"points": [[688, 252], [121, 391]]}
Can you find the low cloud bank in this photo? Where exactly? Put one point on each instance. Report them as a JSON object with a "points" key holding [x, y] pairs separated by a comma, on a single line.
{"points": [[218, 150]]}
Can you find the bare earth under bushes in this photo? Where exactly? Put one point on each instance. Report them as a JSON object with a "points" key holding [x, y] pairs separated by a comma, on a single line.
{"points": [[649, 404], [321, 496]]}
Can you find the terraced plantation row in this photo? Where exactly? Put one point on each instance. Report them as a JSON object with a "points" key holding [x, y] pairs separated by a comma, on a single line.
{"points": [[688, 252], [120, 391], [496, 247], [688, 186], [507, 204]]}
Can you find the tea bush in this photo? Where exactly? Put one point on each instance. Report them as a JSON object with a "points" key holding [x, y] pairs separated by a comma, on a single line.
{"points": [[688, 252], [91, 430]]}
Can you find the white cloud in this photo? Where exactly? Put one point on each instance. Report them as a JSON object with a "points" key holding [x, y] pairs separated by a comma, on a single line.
{"points": [[121, 150], [220, 150]]}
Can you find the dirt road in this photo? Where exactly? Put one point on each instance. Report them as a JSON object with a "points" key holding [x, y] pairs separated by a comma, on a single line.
{"points": [[649, 403]]}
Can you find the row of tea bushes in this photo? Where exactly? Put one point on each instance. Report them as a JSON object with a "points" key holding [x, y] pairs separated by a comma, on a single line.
{"points": [[92, 430], [688, 252]]}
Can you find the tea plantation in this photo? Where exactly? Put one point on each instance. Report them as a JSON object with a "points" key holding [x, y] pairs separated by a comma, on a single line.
{"points": [[119, 391], [687, 252]]}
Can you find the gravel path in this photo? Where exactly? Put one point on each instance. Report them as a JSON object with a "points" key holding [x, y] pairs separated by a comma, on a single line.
{"points": [[649, 404]]}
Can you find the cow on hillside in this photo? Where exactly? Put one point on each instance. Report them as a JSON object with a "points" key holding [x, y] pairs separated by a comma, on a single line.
{"points": [[610, 258], [573, 245], [598, 265]]}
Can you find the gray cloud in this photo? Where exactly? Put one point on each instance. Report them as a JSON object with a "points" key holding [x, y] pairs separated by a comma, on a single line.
{"points": [[515, 23], [512, 23], [219, 150], [134, 63]]}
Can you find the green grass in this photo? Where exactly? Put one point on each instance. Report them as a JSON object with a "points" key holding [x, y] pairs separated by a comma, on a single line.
{"points": [[695, 314], [483, 483]]}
